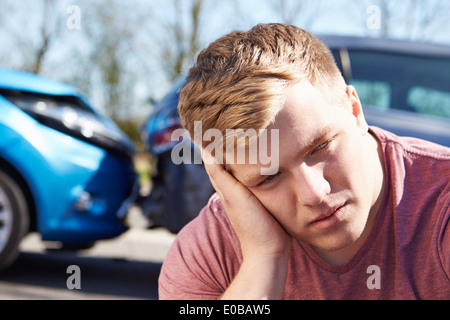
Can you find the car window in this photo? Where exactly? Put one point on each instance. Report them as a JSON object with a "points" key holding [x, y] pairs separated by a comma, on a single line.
{"points": [[406, 82], [374, 93], [429, 101]]}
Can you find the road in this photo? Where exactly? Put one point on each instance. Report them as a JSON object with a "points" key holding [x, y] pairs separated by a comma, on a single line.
{"points": [[126, 267]]}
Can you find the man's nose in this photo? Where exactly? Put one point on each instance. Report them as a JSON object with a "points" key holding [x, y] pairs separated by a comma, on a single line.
{"points": [[312, 186]]}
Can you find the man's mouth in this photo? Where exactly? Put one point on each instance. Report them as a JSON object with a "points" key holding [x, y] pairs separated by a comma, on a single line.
{"points": [[330, 219]]}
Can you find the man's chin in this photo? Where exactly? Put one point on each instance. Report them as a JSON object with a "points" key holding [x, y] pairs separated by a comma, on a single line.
{"points": [[338, 247], [331, 247]]}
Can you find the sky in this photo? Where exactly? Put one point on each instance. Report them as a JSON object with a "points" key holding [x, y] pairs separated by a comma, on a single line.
{"points": [[147, 17]]}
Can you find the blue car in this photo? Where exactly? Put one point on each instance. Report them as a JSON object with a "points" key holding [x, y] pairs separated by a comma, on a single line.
{"points": [[66, 172]]}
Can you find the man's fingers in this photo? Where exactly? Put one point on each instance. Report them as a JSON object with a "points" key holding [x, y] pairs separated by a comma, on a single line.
{"points": [[212, 168], [223, 182]]}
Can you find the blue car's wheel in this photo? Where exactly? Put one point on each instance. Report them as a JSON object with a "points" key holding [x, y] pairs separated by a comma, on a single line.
{"points": [[14, 219]]}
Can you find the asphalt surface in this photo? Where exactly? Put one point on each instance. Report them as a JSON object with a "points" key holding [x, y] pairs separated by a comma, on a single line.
{"points": [[126, 267]]}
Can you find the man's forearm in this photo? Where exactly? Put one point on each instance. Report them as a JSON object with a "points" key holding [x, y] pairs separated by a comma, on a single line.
{"points": [[259, 278]]}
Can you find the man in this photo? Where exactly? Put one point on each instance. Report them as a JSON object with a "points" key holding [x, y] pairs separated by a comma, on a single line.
{"points": [[350, 212]]}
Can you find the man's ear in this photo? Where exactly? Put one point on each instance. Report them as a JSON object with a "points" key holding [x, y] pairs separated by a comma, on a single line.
{"points": [[357, 110]]}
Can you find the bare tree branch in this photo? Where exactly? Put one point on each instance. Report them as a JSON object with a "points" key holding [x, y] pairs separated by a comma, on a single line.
{"points": [[300, 12], [33, 47], [182, 39], [411, 19]]}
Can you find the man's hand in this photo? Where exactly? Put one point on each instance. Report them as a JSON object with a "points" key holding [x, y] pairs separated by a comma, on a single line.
{"points": [[264, 243]]}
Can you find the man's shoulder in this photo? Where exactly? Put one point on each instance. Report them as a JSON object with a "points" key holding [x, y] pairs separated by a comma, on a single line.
{"points": [[410, 146], [418, 179], [417, 174]]}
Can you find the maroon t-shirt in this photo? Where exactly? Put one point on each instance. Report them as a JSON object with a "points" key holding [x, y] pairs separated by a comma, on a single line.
{"points": [[406, 256]]}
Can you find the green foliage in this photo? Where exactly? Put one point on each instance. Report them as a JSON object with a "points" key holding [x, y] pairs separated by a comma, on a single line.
{"points": [[130, 128]]}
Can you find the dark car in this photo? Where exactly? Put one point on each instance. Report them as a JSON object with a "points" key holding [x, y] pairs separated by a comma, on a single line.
{"points": [[179, 191], [404, 87]]}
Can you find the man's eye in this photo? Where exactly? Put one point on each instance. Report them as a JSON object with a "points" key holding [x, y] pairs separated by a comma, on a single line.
{"points": [[322, 147], [268, 179]]}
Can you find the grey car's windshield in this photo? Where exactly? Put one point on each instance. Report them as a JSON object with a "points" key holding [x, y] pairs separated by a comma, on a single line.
{"points": [[405, 82]]}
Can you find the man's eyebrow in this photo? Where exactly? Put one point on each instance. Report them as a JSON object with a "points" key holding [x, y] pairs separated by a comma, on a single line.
{"points": [[322, 133]]}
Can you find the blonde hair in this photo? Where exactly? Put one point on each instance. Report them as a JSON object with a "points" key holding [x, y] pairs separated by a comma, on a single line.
{"points": [[239, 80]]}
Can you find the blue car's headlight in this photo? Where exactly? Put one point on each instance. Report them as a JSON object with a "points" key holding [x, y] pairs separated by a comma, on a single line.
{"points": [[72, 116]]}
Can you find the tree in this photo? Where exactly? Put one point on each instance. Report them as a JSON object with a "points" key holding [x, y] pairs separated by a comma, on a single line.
{"points": [[111, 29], [49, 31], [300, 12], [409, 19], [34, 32], [296, 12], [182, 37]]}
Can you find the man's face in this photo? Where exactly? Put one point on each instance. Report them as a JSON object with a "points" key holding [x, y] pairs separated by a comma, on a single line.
{"points": [[328, 179]]}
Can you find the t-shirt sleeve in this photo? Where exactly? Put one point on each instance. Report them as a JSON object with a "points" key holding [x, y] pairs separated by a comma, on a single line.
{"points": [[203, 259], [444, 234]]}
